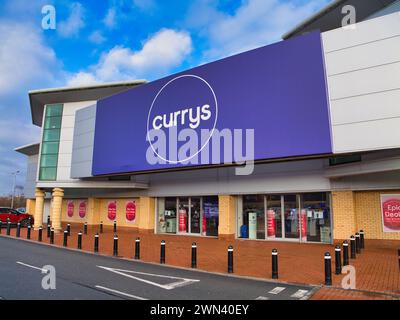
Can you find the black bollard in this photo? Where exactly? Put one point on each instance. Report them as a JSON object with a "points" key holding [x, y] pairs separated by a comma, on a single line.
{"points": [[69, 229], [40, 234], [48, 220], [65, 242], [85, 228], [52, 236], [328, 269], [96, 242], [362, 239], [194, 255], [338, 260], [230, 259], [28, 232], [80, 240], [352, 247], [8, 228], [358, 246], [115, 250], [274, 264], [115, 226], [162, 252], [18, 234], [101, 227], [48, 230], [345, 253], [137, 248]]}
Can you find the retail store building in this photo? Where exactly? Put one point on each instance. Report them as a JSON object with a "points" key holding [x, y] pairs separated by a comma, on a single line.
{"points": [[324, 107]]}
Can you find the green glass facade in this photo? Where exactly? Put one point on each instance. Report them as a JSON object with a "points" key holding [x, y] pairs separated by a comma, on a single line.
{"points": [[50, 142]]}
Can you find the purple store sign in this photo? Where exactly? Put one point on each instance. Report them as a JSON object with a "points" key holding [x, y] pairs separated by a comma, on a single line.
{"points": [[278, 91]]}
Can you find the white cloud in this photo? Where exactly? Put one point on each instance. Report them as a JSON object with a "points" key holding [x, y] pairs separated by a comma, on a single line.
{"points": [[255, 23], [26, 62], [164, 50], [110, 18], [97, 37], [145, 5], [74, 23]]}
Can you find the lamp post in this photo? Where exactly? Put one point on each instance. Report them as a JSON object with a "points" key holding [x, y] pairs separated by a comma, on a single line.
{"points": [[13, 189]]}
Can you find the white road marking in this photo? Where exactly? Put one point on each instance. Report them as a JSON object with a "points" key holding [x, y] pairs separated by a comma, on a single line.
{"points": [[262, 298], [120, 293], [33, 267], [277, 290], [169, 286], [299, 294]]}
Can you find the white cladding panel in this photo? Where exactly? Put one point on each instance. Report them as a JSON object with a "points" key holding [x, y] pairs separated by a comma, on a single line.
{"points": [[363, 76], [66, 138]]}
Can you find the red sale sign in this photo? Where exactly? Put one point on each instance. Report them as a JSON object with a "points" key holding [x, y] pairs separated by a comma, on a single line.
{"points": [[182, 220], [112, 210], [130, 211], [82, 209], [271, 223], [390, 206], [70, 208], [304, 224]]}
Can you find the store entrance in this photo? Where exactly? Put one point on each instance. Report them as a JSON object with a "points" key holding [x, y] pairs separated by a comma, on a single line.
{"points": [[189, 215]]}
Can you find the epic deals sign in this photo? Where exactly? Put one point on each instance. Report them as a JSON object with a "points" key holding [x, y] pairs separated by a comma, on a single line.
{"points": [[390, 206]]}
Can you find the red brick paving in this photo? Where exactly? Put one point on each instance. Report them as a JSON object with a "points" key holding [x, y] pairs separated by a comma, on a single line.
{"points": [[377, 267]]}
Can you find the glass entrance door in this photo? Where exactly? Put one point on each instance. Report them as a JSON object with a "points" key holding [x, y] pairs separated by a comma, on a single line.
{"points": [[195, 215], [291, 216], [189, 215]]}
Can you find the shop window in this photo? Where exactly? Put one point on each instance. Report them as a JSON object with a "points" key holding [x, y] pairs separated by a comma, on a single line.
{"points": [[188, 215], [50, 142], [316, 208], [301, 217]]}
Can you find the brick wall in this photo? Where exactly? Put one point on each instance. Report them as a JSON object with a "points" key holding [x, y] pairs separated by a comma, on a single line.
{"points": [[353, 211]]}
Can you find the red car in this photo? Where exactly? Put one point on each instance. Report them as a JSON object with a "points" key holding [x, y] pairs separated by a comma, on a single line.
{"points": [[14, 216]]}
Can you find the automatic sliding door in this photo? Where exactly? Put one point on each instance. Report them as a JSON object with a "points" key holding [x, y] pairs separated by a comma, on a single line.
{"points": [[291, 216]]}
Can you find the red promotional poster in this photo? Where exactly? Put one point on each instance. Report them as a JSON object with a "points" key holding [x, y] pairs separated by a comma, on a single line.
{"points": [[204, 226], [130, 211], [182, 220], [304, 224], [82, 209], [390, 204], [271, 223], [112, 210], [70, 208]]}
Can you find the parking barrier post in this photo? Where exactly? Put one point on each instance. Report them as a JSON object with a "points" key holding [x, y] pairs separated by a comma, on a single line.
{"points": [[194, 255], [115, 226], [85, 228], [274, 264], [96, 243], [362, 239], [65, 242], [52, 236], [28, 232], [338, 260], [137, 248], [101, 227], [40, 234], [80, 240], [69, 229], [48, 230], [8, 228], [230, 259], [115, 249], [328, 269], [162, 252], [352, 247], [18, 234], [345, 253], [48, 220], [358, 246]]}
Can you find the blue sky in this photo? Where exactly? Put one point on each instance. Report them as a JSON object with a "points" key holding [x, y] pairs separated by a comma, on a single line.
{"points": [[113, 40]]}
